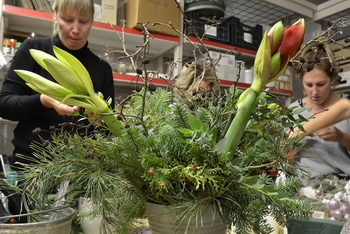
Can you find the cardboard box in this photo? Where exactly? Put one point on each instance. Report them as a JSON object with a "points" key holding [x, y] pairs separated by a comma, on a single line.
{"points": [[161, 11], [109, 10]]}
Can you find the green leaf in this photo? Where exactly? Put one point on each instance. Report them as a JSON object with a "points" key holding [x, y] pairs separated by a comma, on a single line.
{"points": [[221, 145], [282, 195], [270, 189], [185, 131], [251, 180], [258, 186], [196, 124]]}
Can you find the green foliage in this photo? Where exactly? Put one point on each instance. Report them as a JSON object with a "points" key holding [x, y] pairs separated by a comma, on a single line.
{"points": [[168, 154]]}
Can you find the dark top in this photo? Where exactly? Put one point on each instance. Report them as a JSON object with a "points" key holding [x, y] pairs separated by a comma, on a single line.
{"points": [[18, 102]]}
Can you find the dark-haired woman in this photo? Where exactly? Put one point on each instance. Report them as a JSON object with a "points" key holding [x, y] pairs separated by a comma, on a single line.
{"points": [[327, 150]]}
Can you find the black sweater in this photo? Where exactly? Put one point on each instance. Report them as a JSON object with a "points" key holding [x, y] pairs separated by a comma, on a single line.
{"points": [[20, 103]]}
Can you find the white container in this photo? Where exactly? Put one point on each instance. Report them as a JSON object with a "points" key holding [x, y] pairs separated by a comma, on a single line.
{"points": [[97, 15], [88, 225], [248, 76], [247, 37]]}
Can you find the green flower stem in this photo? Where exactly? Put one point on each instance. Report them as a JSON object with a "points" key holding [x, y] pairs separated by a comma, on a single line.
{"points": [[238, 125], [113, 124]]}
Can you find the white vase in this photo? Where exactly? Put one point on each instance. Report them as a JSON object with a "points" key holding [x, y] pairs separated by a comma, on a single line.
{"points": [[87, 224], [162, 222]]}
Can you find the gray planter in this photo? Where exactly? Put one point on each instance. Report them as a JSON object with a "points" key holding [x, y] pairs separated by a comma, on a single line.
{"points": [[162, 222], [60, 225]]}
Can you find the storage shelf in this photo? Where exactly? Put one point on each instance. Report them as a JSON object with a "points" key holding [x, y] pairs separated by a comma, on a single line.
{"points": [[214, 44], [26, 21], [127, 80], [241, 53]]}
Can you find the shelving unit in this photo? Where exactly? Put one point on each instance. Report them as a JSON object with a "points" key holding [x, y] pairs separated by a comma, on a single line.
{"points": [[241, 53], [20, 22], [25, 21]]}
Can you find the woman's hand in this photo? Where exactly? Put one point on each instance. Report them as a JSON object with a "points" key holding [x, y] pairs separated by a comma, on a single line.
{"points": [[334, 134], [330, 134], [60, 108]]}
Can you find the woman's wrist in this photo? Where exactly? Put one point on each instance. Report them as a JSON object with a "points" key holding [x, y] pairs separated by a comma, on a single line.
{"points": [[47, 101], [344, 139]]}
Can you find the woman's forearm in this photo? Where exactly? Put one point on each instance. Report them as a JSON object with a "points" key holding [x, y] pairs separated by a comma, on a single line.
{"points": [[335, 113]]}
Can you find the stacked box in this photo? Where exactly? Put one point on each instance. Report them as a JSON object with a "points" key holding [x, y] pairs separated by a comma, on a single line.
{"points": [[225, 65], [153, 11]]}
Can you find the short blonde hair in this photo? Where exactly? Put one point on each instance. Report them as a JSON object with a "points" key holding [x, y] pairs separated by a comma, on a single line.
{"points": [[192, 72], [83, 7]]}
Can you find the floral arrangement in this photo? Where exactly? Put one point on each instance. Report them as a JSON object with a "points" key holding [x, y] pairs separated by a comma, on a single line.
{"points": [[211, 149]]}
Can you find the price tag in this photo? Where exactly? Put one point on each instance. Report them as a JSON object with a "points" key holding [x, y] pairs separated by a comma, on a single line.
{"points": [[318, 214]]}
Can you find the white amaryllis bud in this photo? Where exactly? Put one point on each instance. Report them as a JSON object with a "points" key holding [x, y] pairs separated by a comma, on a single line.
{"points": [[74, 87]]}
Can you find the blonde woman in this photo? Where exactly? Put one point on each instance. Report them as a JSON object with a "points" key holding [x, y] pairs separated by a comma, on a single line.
{"points": [[195, 78], [18, 102], [72, 23]]}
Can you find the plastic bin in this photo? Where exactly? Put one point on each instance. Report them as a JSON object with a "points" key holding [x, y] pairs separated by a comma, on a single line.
{"points": [[313, 226], [203, 26], [237, 30]]}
